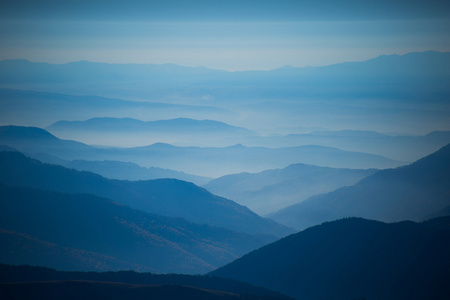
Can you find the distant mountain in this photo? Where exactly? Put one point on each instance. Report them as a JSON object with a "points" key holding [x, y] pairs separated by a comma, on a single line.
{"points": [[37, 140], [132, 132], [204, 161], [353, 259], [412, 192], [406, 92], [42, 108], [15, 274], [116, 169], [109, 169], [271, 190], [130, 171], [164, 126], [238, 158], [169, 197], [86, 232], [414, 74], [394, 146]]}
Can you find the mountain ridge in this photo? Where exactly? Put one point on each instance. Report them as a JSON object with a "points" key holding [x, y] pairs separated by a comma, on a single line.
{"points": [[168, 197], [273, 189], [129, 132], [368, 259], [382, 57], [411, 192], [198, 160], [9, 273], [87, 232]]}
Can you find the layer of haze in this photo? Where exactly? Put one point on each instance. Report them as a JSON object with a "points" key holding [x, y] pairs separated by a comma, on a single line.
{"points": [[230, 35]]}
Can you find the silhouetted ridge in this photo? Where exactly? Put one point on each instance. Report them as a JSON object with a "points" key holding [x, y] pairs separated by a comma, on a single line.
{"points": [[113, 291], [32, 274], [353, 258]]}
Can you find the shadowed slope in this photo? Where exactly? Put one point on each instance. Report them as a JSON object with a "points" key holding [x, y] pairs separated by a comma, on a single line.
{"points": [[169, 197], [13, 274], [353, 258], [42, 228]]}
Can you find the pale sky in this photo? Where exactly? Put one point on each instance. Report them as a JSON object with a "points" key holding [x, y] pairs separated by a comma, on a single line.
{"points": [[230, 35]]}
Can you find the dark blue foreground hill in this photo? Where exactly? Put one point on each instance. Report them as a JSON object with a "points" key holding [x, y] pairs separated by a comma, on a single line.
{"points": [[353, 258], [88, 233], [74, 290], [23, 274], [169, 197]]}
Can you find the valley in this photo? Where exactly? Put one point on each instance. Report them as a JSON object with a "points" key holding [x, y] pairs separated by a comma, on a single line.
{"points": [[173, 182]]}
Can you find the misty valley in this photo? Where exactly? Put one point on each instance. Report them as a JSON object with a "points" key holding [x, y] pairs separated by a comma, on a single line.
{"points": [[143, 181]]}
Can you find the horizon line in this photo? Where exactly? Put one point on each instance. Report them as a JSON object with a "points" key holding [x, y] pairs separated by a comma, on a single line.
{"points": [[216, 69]]}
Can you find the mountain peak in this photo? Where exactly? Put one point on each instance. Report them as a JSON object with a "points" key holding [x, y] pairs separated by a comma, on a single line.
{"points": [[22, 132]]}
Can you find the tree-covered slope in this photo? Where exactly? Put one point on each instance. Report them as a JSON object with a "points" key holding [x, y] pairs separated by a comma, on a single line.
{"points": [[351, 259], [86, 232], [168, 197]]}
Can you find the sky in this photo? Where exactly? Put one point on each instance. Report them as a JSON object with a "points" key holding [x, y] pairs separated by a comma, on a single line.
{"points": [[231, 35]]}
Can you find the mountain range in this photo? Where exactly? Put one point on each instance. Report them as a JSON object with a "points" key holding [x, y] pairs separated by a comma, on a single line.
{"points": [[395, 146], [361, 148], [415, 192], [132, 132], [192, 286], [108, 290], [42, 108], [406, 92], [193, 160], [383, 75], [127, 171], [353, 258], [168, 197], [83, 232], [115, 169], [272, 190]]}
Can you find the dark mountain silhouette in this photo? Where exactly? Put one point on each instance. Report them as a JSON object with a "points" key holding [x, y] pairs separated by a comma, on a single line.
{"points": [[86, 232], [131, 132], [195, 160], [6, 148], [168, 197], [11, 274], [412, 192], [353, 259], [22, 248], [106, 290], [272, 190]]}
